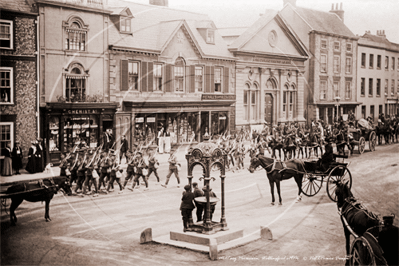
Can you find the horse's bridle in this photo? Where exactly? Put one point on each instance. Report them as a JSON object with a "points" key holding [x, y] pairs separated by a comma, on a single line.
{"points": [[273, 164]]}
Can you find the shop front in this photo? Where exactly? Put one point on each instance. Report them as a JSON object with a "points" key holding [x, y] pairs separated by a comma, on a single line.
{"points": [[70, 124], [178, 122]]}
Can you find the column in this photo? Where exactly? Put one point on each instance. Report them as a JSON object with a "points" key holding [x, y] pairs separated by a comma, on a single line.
{"points": [[300, 95]]}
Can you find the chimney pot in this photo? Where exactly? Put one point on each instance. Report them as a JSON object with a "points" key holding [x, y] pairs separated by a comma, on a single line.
{"points": [[340, 8], [336, 6]]}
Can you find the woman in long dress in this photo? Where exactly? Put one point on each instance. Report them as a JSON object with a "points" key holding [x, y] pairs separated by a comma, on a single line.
{"points": [[31, 165], [7, 166]]}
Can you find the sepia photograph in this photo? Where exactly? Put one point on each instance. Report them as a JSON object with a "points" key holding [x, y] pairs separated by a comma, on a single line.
{"points": [[182, 132]]}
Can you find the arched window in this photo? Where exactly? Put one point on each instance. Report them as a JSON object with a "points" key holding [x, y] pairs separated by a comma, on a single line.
{"points": [[75, 34], [271, 85], [289, 95], [179, 74], [251, 102], [75, 83]]}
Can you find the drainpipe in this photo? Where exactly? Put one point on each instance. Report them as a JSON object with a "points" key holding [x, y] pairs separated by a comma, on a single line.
{"points": [[38, 76]]}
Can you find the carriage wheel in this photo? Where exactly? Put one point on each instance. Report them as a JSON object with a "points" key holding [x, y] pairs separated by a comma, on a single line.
{"points": [[361, 253], [372, 141], [338, 173], [311, 184], [362, 145]]}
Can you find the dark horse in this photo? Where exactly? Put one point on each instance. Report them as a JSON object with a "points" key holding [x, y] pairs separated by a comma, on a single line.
{"points": [[43, 190], [364, 224], [278, 171]]}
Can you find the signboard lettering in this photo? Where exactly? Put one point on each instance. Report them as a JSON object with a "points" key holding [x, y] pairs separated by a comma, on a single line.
{"points": [[83, 111], [218, 97], [272, 61]]}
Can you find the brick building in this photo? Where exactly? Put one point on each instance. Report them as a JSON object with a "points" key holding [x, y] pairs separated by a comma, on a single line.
{"points": [[378, 76], [170, 70], [331, 69], [18, 74]]}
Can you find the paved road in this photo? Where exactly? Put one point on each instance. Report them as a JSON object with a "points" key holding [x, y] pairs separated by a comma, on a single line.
{"points": [[106, 230]]}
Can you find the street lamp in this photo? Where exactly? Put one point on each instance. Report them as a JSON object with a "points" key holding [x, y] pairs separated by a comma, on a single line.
{"points": [[337, 99]]}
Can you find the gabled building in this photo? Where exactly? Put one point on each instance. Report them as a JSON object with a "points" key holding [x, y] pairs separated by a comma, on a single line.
{"points": [[331, 69], [18, 74], [270, 70], [169, 70], [378, 76], [74, 74]]}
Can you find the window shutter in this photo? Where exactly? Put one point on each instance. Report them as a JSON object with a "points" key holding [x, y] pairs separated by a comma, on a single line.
{"points": [[212, 79], [124, 75], [150, 76], [192, 78], [207, 79], [226, 80], [187, 79], [168, 78], [144, 76]]}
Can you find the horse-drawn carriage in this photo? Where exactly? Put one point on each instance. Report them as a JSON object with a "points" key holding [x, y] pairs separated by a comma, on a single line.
{"points": [[363, 133], [315, 174]]}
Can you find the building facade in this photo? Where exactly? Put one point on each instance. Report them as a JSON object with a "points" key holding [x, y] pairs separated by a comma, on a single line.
{"points": [[269, 73], [18, 75], [74, 74], [378, 76], [331, 70], [171, 73]]}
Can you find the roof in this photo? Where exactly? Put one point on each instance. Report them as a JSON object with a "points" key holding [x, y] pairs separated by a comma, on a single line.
{"points": [[124, 11], [323, 21], [17, 5], [379, 40], [154, 26], [236, 31]]}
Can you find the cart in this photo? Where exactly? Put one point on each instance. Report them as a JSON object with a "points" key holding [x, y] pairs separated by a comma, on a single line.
{"points": [[313, 178], [360, 137]]}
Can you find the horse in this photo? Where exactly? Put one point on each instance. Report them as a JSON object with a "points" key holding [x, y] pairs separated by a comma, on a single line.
{"points": [[43, 190], [277, 171], [278, 145], [289, 147], [363, 223]]}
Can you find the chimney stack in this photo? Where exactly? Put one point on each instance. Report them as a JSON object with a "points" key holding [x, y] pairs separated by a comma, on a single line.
{"points": [[381, 33], [292, 2], [340, 12], [159, 3]]}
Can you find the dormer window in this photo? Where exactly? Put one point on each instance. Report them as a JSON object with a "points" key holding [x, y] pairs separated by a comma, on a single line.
{"points": [[126, 25], [210, 36]]}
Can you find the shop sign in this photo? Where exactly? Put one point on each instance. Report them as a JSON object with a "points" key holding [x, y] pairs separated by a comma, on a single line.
{"points": [[79, 118], [139, 119], [150, 119], [218, 97], [83, 111], [222, 118]]}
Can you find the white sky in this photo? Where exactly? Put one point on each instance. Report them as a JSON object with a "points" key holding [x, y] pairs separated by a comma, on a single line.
{"points": [[360, 15]]}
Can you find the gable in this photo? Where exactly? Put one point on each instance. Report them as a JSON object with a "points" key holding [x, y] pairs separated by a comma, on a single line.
{"points": [[181, 44], [273, 39]]}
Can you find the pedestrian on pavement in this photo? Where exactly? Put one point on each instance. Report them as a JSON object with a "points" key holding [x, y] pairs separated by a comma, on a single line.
{"points": [[124, 148], [153, 165], [187, 206], [17, 156], [7, 162], [31, 165], [173, 164], [198, 193]]}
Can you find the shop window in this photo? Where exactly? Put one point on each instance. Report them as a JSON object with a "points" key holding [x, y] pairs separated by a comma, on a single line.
{"points": [[199, 79], [158, 77], [336, 63], [75, 86], [323, 90], [82, 130], [54, 138], [323, 63], [218, 79], [379, 62], [6, 135], [6, 85], [362, 86], [348, 65], [133, 76], [6, 34], [179, 75], [75, 35], [348, 90], [378, 93], [219, 124], [370, 87]]}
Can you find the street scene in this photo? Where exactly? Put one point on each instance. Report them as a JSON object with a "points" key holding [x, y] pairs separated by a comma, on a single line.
{"points": [[170, 132]]}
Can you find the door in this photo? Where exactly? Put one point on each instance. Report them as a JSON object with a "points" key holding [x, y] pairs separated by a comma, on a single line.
{"points": [[269, 108]]}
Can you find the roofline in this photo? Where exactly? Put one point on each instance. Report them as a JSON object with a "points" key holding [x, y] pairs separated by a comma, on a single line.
{"points": [[355, 38], [377, 47], [287, 57], [294, 9], [19, 12], [131, 49], [84, 8]]}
